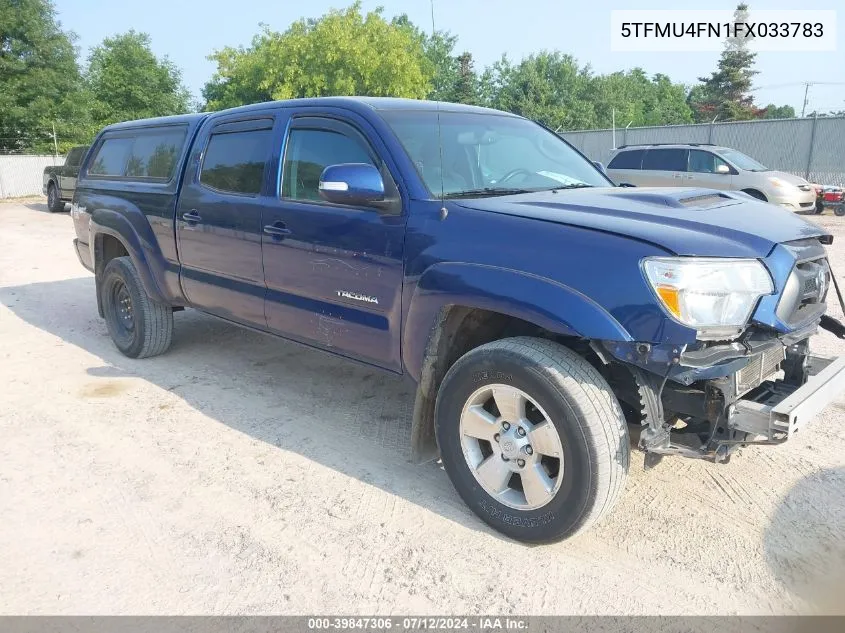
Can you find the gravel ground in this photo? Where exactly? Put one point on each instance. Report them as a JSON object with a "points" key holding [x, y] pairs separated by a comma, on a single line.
{"points": [[242, 474]]}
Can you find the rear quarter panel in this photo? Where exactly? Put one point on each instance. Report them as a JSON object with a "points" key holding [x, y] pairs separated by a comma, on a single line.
{"points": [[139, 213]]}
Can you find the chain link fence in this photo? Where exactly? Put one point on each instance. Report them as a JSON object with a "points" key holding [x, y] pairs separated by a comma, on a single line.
{"points": [[813, 148], [22, 174]]}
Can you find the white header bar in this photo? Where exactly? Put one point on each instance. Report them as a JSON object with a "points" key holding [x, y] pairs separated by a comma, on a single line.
{"points": [[707, 30]]}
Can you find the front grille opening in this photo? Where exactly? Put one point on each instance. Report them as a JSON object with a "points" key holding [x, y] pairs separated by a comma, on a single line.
{"points": [[805, 291]]}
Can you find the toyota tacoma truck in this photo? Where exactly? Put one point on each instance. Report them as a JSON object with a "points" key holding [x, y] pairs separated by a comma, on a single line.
{"points": [[59, 181], [544, 315]]}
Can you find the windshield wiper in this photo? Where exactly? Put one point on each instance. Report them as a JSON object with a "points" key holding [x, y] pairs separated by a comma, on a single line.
{"points": [[580, 185], [488, 191]]}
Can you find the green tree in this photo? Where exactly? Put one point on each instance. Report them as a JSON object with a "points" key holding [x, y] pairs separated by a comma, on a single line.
{"points": [[453, 77], [466, 86], [773, 111], [127, 81], [342, 53], [40, 82], [639, 100], [548, 87], [725, 94]]}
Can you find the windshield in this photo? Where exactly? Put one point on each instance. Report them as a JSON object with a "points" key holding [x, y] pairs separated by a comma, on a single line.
{"points": [[488, 154], [741, 161]]}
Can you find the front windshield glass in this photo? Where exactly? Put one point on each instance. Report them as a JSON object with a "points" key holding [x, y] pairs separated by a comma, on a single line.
{"points": [[488, 154], [740, 160]]}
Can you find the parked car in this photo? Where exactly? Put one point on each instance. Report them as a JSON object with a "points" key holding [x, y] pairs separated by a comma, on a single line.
{"points": [[59, 181], [539, 309], [711, 166]]}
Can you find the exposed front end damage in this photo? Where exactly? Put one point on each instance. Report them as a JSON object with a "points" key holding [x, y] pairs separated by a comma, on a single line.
{"points": [[706, 399]]}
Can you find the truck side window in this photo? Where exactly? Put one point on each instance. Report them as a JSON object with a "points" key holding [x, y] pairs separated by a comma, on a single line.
{"points": [[234, 161], [74, 157], [154, 155], [309, 152], [111, 157]]}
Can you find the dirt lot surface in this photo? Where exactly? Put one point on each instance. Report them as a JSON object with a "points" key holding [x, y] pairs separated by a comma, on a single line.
{"points": [[243, 474]]}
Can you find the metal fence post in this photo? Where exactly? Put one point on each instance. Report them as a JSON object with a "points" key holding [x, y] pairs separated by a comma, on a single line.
{"points": [[812, 143]]}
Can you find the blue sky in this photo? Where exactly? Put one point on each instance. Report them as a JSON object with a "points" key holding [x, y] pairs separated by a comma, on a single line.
{"points": [[188, 30]]}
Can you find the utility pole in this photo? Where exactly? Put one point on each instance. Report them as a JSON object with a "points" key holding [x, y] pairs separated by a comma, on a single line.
{"points": [[613, 123], [55, 142], [806, 90]]}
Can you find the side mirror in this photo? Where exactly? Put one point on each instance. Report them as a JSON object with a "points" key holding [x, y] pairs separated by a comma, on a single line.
{"points": [[723, 169], [600, 166], [351, 183]]}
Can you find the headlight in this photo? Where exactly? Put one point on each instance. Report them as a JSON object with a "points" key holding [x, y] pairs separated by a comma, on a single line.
{"points": [[780, 183], [713, 295]]}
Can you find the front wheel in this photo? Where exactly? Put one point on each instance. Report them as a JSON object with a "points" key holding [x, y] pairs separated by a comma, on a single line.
{"points": [[532, 438], [139, 326], [839, 210]]}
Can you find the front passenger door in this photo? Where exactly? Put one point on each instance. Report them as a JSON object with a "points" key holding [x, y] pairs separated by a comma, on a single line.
{"points": [[702, 171], [334, 272]]}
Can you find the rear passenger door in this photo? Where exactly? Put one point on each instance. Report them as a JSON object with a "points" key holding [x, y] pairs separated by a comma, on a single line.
{"points": [[334, 272], [218, 219], [665, 167]]}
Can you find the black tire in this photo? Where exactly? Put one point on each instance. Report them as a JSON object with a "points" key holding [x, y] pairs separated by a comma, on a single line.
{"points": [[585, 413], [756, 194], [148, 328], [54, 199], [839, 210]]}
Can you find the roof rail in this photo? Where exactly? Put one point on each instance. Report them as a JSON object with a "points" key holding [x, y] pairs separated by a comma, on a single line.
{"points": [[659, 144]]}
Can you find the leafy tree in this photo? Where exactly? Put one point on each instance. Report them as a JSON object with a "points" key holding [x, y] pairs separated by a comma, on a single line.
{"points": [[127, 81], [725, 94], [342, 53], [548, 87], [40, 82], [773, 111], [453, 77], [639, 100], [466, 85]]}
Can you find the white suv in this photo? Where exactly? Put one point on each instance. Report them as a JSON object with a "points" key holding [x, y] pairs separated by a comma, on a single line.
{"points": [[710, 166]]}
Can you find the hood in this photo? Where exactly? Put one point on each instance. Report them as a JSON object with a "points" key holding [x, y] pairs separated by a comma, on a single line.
{"points": [[792, 179], [702, 222]]}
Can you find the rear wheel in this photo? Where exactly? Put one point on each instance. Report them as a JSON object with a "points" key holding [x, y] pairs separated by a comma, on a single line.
{"points": [[54, 200], [532, 438], [139, 326]]}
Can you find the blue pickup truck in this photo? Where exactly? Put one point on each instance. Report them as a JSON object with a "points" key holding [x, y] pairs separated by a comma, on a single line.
{"points": [[544, 314]]}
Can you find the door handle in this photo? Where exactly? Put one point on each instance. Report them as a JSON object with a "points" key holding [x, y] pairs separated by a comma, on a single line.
{"points": [[191, 217], [277, 230]]}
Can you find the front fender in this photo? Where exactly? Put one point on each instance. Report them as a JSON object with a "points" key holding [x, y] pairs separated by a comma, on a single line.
{"points": [[132, 229], [538, 300]]}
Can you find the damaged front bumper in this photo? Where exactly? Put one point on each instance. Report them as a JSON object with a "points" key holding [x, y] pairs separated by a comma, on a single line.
{"points": [[707, 402], [780, 410]]}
